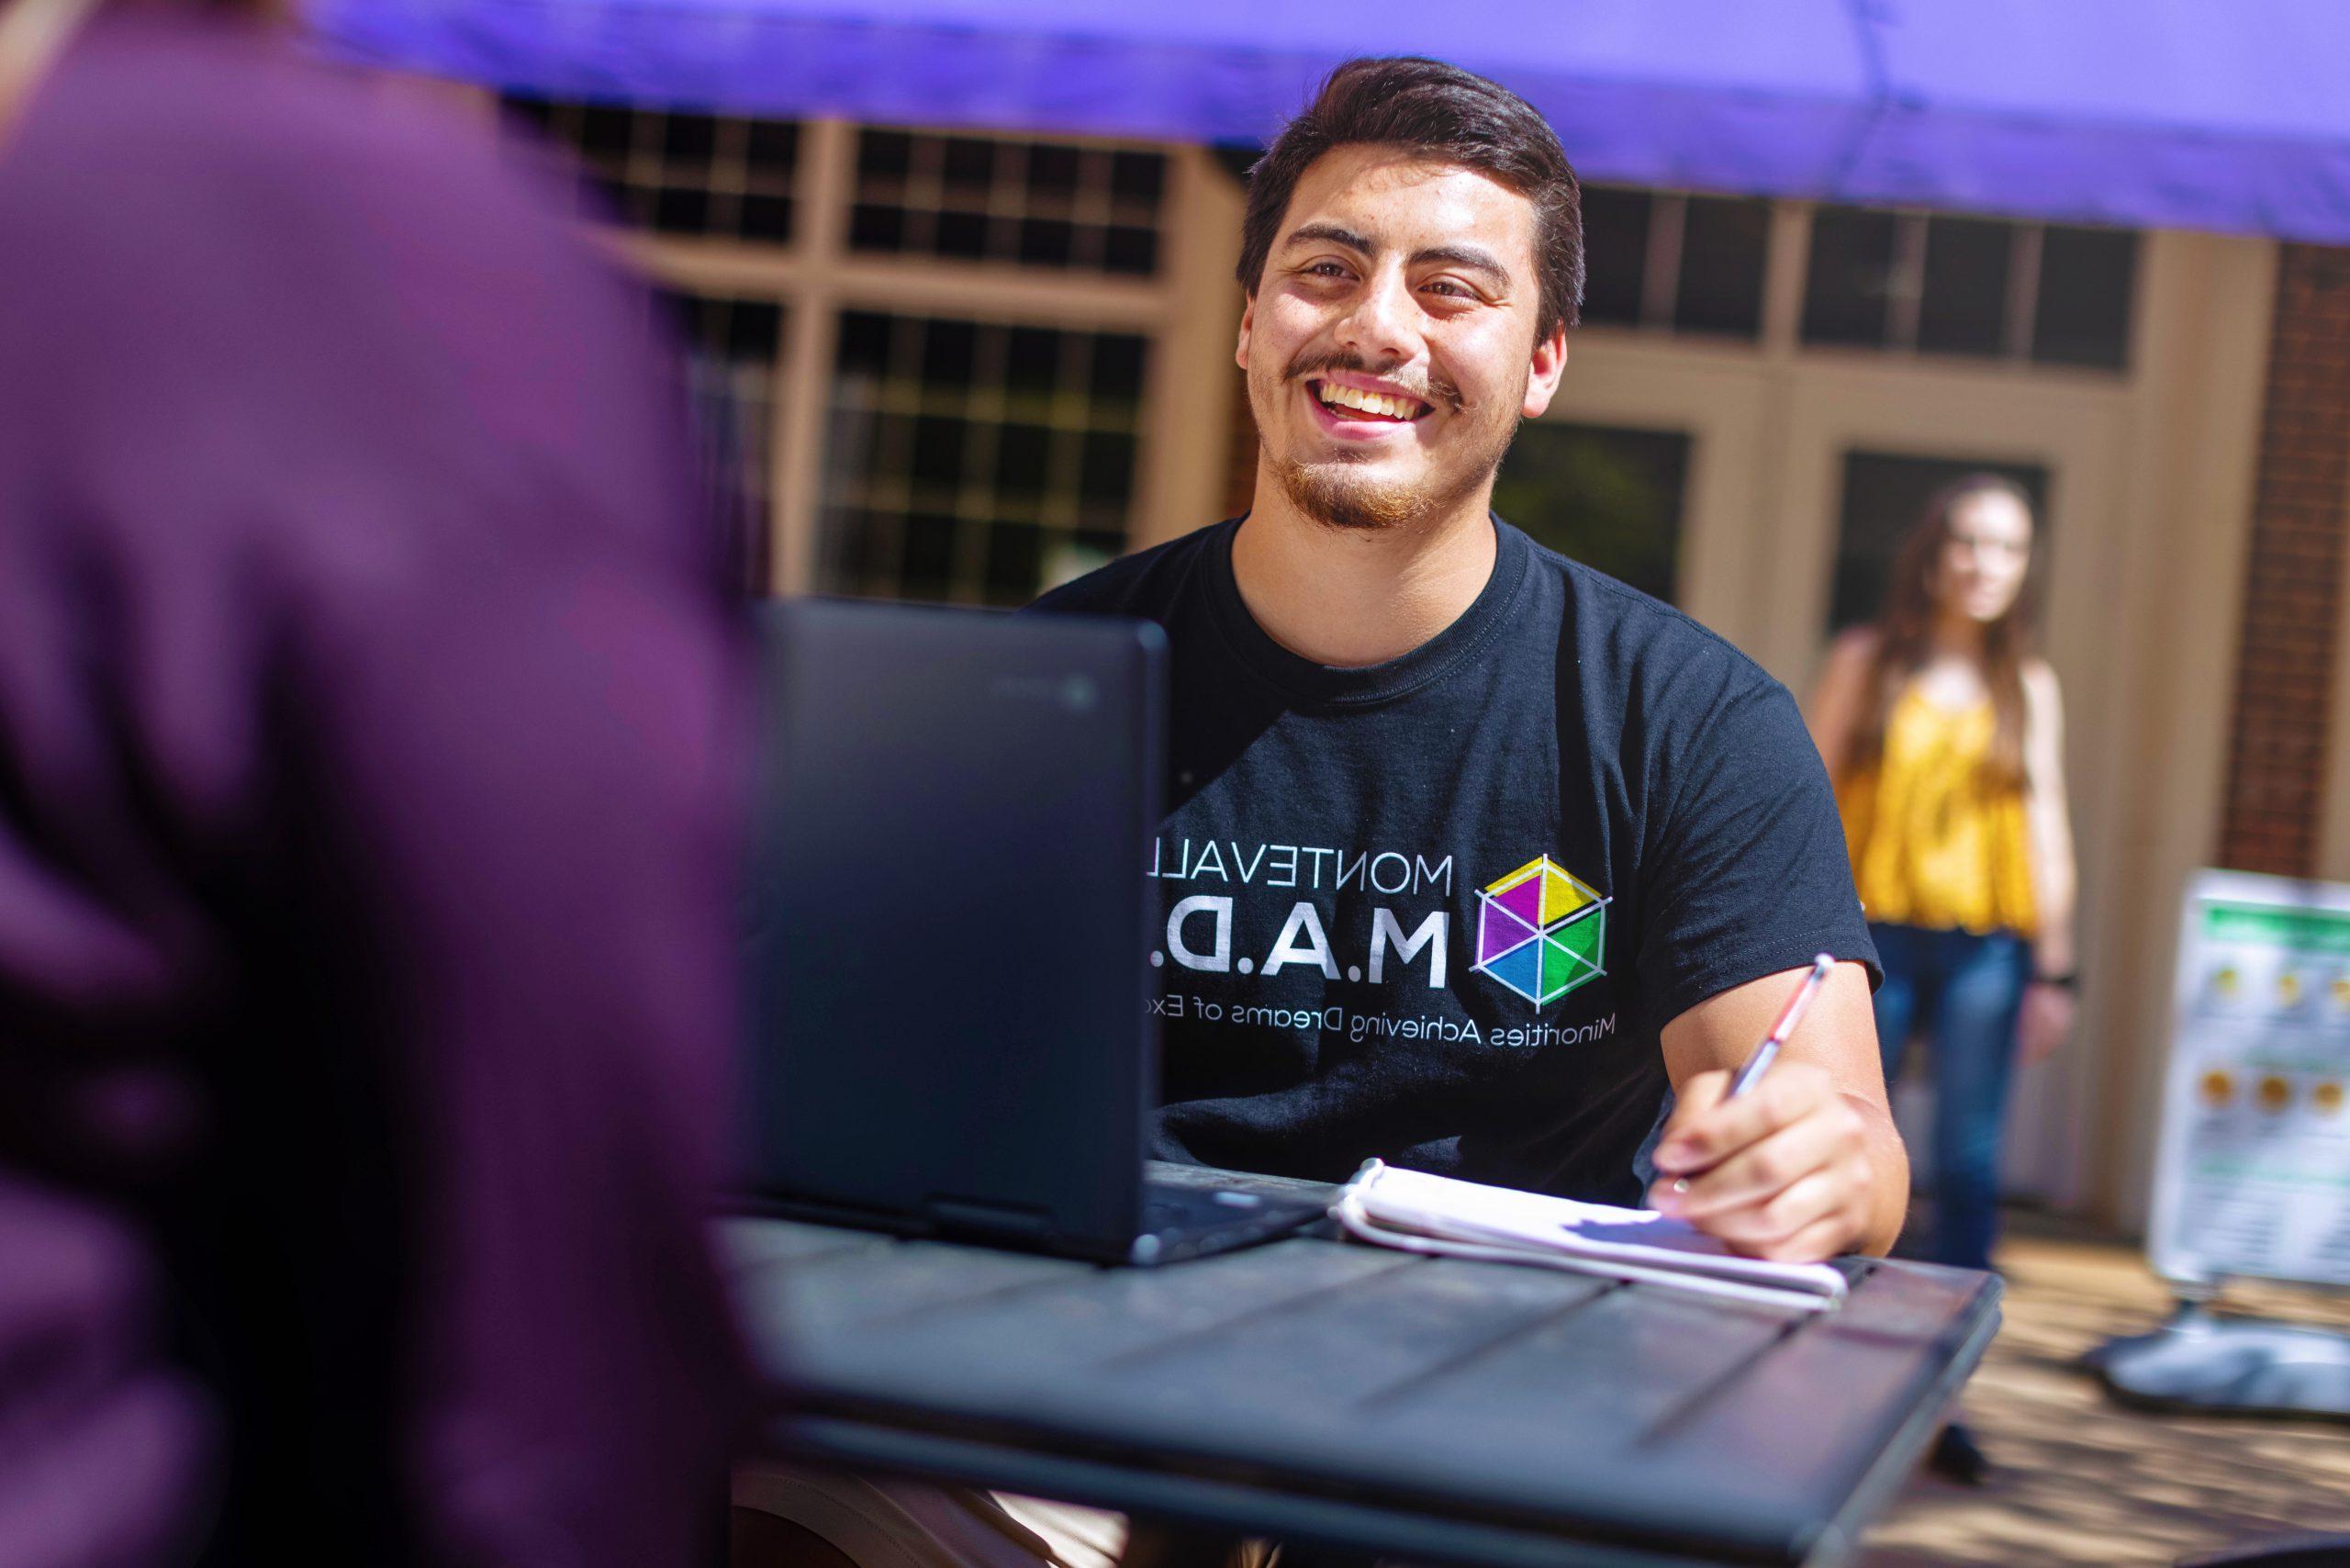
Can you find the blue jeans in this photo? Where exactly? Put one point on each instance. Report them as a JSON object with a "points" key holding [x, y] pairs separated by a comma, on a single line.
{"points": [[1962, 992]]}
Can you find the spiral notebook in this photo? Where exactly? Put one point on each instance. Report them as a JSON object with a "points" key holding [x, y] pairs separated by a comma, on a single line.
{"points": [[1420, 1213]]}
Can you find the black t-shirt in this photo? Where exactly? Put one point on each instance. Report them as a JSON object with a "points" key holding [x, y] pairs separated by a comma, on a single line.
{"points": [[1436, 910]]}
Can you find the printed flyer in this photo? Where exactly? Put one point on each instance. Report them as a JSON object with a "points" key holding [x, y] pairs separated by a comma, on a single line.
{"points": [[2252, 1176]]}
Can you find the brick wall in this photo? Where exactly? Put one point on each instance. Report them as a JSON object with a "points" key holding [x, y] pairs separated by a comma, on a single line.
{"points": [[2293, 585]]}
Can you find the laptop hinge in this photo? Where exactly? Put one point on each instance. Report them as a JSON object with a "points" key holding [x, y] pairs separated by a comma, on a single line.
{"points": [[979, 1218], [822, 1211]]}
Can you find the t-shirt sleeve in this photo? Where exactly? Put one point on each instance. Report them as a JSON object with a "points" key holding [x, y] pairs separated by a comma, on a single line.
{"points": [[1744, 871]]}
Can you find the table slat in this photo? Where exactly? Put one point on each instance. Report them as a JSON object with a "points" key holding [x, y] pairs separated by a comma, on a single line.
{"points": [[1526, 1399]]}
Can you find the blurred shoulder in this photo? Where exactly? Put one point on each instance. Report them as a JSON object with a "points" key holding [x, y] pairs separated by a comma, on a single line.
{"points": [[1854, 648], [2039, 685], [1851, 653], [173, 128], [322, 293]]}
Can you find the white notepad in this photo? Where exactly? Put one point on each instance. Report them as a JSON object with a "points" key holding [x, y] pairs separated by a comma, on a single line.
{"points": [[1420, 1213]]}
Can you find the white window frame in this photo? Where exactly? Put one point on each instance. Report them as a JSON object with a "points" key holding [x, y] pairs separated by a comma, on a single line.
{"points": [[1187, 390]]}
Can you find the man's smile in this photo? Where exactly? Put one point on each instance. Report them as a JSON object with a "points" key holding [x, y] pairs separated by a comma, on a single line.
{"points": [[1361, 408]]}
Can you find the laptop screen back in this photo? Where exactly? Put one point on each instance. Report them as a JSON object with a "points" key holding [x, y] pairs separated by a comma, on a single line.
{"points": [[950, 990]]}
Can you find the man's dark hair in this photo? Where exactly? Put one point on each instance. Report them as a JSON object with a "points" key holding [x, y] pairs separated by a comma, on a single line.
{"points": [[1437, 111]]}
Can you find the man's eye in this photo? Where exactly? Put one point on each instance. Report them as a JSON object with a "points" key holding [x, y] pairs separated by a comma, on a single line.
{"points": [[1326, 268], [1448, 288]]}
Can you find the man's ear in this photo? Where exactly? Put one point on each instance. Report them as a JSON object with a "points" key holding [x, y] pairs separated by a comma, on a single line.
{"points": [[1543, 377], [1247, 320]]}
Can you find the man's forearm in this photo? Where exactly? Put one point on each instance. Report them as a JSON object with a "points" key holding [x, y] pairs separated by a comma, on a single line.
{"points": [[1888, 1199]]}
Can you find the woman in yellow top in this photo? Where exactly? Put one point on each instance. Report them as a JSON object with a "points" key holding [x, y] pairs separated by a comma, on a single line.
{"points": [[1944, 736]]}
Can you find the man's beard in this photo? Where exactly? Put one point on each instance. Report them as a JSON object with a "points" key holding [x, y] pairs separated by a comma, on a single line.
{"points": [[1339, 494]]}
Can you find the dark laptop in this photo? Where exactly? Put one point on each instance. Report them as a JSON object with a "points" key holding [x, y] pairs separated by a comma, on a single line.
{"points": [[952, 1001]]}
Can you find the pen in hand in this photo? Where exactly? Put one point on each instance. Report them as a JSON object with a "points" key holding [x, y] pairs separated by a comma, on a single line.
{"points": [[1768, 1050]]}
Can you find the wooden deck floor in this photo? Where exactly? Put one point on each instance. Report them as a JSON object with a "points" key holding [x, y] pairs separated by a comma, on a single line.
{"points": [[2081, 1480]]}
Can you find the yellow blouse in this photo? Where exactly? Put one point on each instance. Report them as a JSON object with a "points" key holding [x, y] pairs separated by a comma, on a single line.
{"points": [[1933, 843]]}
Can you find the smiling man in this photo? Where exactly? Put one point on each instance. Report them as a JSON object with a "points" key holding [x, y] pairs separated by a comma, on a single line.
{"points": [[1478, 861]]}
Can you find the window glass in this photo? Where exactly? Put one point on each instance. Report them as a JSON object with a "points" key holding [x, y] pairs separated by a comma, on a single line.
{"points": [[977, 462], [1884, 495], [1849, 277], [731, 345], [1036, 204], [2086, 278], [1965, 308], [1606, 496], [1722, 245], [715, 175], [1615, 252]]}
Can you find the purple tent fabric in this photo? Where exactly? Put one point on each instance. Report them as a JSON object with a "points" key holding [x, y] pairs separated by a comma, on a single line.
{"points": [[2151, 112]]}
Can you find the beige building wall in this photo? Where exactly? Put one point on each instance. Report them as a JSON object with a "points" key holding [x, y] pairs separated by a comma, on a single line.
{"points": [[2187, 511]]}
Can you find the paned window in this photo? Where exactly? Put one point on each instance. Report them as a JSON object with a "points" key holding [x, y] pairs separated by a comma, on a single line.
{"points": [[1849, 284], [716, 175], [974, 462], [2051, 294], [2081, 315], [1037, 204], [1962, 307], [1682, 264], [731, 345], [973, 454], [1615, 253]]}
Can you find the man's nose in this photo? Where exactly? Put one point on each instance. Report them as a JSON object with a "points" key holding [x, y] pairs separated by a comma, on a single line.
{"points": [[1382, 324]]}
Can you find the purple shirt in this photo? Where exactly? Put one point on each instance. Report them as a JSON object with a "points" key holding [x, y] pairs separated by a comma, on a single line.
{"points": [[369, 768]]}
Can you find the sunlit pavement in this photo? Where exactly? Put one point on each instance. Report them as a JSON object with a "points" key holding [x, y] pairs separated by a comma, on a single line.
{"points": [[2078, 1479]]}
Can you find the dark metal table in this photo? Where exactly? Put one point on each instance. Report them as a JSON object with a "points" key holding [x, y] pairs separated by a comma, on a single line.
{"points": [[1433, 1409]]}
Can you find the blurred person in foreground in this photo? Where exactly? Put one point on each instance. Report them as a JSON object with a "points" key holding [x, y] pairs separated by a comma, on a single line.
{"points": [[367, 782], [1945, 734]]}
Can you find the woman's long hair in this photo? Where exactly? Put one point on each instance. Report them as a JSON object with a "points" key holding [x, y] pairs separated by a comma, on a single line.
{"points": [[1905, 630]]}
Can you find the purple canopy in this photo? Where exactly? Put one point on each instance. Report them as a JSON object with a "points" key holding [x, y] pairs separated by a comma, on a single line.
{"points": [[2198, 114]]}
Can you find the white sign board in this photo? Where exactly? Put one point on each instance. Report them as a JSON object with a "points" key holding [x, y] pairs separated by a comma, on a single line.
{"points": [[2253, 1174]]}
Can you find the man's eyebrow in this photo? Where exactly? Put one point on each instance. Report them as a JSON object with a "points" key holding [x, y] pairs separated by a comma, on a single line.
{"points": [[1335, 234], [1469, 256]]}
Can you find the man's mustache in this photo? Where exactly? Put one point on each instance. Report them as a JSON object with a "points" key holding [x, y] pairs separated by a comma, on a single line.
{"points": [[1439, 390]]}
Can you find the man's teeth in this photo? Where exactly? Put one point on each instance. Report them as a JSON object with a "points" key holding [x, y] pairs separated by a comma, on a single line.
{"points": [[1378, 403]]}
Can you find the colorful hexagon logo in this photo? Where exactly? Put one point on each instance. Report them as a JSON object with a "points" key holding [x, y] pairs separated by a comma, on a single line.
{"points": [[1541, 931]]}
